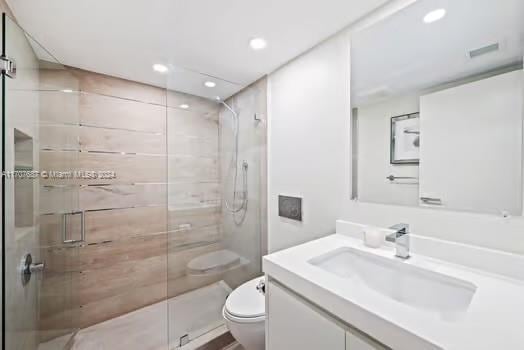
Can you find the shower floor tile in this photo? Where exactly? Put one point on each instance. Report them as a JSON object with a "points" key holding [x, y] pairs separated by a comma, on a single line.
{"points": [[195, 313]]}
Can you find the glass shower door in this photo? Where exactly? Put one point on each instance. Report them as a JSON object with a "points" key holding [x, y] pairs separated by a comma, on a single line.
{"points": [[41, 224]]}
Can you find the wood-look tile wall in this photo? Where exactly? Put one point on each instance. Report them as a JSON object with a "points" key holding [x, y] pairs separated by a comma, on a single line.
{"points": [[162, 210]]}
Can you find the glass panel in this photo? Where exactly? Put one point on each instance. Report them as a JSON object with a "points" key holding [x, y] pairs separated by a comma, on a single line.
{"points": [[103, 240], [216, 198], [40, 119]]}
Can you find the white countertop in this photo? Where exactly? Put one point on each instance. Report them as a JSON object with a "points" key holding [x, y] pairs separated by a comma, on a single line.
{"points": [[493, 320]]}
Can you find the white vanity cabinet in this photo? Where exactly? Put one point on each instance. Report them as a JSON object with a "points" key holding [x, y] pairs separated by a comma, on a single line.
{"points": [[294, 323]]}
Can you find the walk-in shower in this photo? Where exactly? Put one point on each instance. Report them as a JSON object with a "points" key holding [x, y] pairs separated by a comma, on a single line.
{"points": [[142, 255]]}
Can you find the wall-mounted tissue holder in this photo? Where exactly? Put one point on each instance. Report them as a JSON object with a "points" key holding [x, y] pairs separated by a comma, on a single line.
{"points": [[290, 207]]}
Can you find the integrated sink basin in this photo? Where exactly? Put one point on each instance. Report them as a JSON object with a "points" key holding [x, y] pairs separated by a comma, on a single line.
{"points": [[398, 280]]}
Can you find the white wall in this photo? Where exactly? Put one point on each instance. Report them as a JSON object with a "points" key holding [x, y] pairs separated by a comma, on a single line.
{"points": [[245, 232], [309, 136], [308, 141], [374, 134], [490, 231]]}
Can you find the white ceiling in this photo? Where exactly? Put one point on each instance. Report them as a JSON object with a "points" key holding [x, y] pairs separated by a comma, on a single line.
{"points": [[402, 54], [124, 38]]}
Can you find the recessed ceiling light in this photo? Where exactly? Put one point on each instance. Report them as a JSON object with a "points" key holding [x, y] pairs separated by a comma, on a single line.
{"points": [[67, 90], [258, 43], [434, 16], [210, 84], [184, 106], [160, 68]]}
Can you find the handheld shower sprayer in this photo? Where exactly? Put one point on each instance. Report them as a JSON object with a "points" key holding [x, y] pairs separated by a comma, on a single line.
{"points": [[232, 207]]}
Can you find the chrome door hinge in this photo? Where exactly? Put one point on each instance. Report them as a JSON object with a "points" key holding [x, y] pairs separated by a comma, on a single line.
{"points": [[8, 66]]}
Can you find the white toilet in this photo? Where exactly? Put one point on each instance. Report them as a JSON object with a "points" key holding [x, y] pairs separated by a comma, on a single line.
{"points": [[245, 315]]}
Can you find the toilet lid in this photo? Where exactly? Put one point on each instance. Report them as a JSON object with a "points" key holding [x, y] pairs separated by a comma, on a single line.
{"points": [[246, 301]]}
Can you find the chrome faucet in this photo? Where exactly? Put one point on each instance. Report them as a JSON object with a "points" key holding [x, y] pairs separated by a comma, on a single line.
{"points": [[401, 239]]}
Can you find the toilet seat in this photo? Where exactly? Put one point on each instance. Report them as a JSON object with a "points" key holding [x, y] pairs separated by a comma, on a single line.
{"points": [[236, 319], [246, 304]]}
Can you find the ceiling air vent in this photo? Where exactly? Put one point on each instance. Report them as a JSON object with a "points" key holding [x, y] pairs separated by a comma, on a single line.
{"points": [[484, 50]]}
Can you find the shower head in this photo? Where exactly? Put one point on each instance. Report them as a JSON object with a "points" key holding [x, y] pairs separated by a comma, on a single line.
{"points": [[219, 100]]}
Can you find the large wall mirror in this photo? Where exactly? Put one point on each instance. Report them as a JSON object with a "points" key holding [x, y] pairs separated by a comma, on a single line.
{"points": [[438, 100]]}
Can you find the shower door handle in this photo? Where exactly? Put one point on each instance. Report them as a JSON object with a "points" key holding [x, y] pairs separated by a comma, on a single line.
{"points": [[28, 268], [65, 236], [38, 267]]}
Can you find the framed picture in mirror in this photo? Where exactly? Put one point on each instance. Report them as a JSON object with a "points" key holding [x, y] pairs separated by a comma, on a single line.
{"points": [[405, 139]]}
